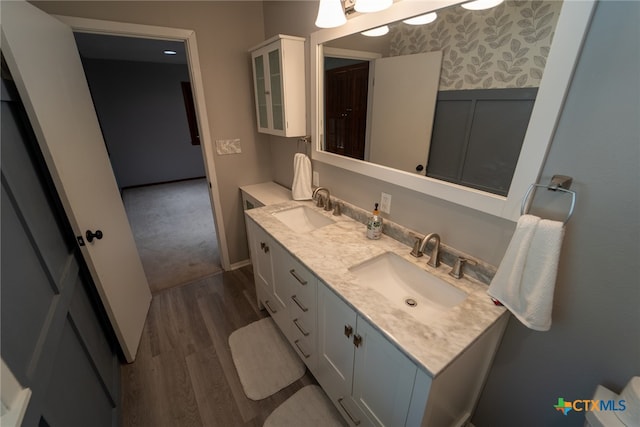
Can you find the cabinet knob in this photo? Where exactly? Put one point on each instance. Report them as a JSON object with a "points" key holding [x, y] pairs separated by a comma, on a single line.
{"points": [[357, 340], [264, 247], [348, 330]]}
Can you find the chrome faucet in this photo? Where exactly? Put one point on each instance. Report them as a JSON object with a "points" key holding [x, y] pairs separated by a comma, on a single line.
{"points": [[319, 201], [419, 246]]}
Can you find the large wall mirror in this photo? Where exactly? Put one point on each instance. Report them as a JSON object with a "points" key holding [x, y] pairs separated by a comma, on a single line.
{"points": [[463, 108]]}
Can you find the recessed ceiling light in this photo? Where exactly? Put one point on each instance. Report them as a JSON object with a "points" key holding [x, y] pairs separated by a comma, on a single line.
{"points": [[376, 32], [422, 19], [481, 4], [170, 52]]}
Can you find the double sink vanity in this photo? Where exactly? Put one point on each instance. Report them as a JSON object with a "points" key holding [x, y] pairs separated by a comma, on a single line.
{"points": [[391, 340]]}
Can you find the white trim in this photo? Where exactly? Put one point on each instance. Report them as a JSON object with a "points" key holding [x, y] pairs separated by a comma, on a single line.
{"points": [[571, 29], [14, 398], [96, 26], [240, 264]]}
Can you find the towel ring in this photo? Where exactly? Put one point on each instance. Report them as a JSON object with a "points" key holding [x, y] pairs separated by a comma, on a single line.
{"points": [[558, 183]]}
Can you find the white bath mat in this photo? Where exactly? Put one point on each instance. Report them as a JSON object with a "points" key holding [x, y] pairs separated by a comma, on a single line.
{"points": [[265, 361], [308, 407]]}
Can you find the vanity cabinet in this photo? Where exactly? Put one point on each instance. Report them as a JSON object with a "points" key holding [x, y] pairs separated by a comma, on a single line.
{"points": [[368, 379], [279, 86]]}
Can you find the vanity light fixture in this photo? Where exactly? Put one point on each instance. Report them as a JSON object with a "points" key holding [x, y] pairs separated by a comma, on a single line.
{"points": [[170, 52], [330, 14], [422, 19], [376, 32], [481, 4], [368, 6]]}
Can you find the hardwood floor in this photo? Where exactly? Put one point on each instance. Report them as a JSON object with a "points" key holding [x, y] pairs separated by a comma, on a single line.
{"points": [[183, 374]]}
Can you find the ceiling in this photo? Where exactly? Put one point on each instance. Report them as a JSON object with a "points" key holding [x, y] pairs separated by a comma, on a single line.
{"points": [[100, 46]]}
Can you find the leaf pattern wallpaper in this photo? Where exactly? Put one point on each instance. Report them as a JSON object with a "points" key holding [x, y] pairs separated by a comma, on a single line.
{"points": [[503, 47]]}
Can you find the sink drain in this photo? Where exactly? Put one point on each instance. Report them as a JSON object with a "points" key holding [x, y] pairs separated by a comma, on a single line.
{"points": [[411, 302]]}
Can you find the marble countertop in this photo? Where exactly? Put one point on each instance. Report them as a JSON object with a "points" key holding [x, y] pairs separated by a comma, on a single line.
{"points": [[329, 251]]}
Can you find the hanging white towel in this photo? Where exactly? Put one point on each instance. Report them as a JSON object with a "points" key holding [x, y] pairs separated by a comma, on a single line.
{"points": [[526, 278], [301, 187]]}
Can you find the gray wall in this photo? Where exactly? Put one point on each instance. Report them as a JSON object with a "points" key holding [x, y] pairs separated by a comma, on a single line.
{"points": [[595, 337], [143, 120]]}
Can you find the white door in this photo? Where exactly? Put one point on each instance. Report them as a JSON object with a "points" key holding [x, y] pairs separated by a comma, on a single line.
{"points": [[407, 84], [44, 61]]}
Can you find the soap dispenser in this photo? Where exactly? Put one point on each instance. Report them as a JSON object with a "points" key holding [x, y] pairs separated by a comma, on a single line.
{"points": [[374, 225]]}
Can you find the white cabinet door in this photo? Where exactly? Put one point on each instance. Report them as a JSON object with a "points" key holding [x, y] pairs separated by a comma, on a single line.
{"points": [[383, 378], [262, 247], [44, 61], [336, 329], [365, 375]]}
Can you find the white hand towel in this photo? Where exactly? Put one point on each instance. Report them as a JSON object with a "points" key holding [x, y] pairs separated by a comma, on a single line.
{"points": [[301, 187], [526, 278]]}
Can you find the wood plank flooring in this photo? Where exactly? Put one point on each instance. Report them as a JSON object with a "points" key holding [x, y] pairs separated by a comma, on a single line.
{"points": [[184, 375]]}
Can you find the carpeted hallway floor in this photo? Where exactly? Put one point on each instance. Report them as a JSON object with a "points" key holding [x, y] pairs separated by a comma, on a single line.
{"points": [[174, 231]]}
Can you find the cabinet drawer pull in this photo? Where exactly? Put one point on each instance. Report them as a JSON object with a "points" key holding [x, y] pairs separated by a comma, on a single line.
{"points": [[348, 330], [357, 340], [306, 356], [266, 304], [298, 278], [305, 333], [302, 307], [353, 419]]}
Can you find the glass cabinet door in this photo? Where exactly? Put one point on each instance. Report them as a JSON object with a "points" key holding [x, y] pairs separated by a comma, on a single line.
{"points": [[275, 79], [261, 92]]}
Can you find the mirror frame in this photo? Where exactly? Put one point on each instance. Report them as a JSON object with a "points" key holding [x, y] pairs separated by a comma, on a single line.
{"points": [[572, 26]]}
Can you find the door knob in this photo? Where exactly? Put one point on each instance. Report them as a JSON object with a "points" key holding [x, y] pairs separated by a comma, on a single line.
{"points": [[90, 235]]}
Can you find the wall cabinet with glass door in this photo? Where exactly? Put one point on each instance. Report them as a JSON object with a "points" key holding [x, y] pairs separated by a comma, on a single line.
{"points": [[279, 86]]}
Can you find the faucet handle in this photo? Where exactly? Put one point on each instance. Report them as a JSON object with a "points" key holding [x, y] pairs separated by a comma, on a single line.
{"points": [[337, 210], [416, 252], [456, 271]]}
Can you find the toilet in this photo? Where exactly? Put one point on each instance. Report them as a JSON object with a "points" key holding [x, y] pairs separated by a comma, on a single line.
{"points": [[628, 418]]}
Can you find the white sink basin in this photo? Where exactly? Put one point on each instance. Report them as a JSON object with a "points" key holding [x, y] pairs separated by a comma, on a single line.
{"points": [[407, 286], [302, 219]]}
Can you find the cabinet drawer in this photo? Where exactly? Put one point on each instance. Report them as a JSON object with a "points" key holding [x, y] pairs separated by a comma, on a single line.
{"points": [[302, 282], [304, 345]]}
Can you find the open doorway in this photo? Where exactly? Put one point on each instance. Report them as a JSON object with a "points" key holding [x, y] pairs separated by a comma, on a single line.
{"points": [[138, 89]]}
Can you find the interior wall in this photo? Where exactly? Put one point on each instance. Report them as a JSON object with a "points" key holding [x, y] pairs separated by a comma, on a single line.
{"points": [[144, 121], [594, 337], [295, 18], [225, 31]]}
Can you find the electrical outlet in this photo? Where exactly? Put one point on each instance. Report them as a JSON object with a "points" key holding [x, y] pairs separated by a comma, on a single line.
{"points": [[316, 179], [385, 203]]}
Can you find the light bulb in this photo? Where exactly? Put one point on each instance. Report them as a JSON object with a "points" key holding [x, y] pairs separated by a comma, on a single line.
{"points": [[376, 32], [330, 14], [422, 19]]}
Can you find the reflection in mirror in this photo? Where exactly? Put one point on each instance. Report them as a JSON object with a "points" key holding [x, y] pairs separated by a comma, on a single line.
{"points": [[451, 99]]}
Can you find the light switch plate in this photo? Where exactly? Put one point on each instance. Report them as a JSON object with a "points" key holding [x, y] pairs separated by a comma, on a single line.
{"points": [[316, 179], [228, 146], [385, 203]]}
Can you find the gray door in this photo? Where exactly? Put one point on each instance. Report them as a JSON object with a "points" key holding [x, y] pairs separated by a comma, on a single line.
{"points": [[52, 336]]}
